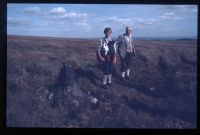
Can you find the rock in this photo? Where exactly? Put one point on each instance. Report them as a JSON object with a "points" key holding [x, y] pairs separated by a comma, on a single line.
{"points": [[76, 103], [51, 96], [177, 73], [66, 76], [152, 88], [77, 92], [94, 100], [66, 89], [89, 92]]}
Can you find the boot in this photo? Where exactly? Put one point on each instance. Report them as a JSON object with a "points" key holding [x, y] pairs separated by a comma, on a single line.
{"points": [[128, 74], [122, 76], [109, 79], [105, 77]]}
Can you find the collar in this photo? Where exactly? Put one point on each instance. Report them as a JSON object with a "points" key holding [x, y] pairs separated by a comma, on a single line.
{"points": [[130, 36], [107, 39]]}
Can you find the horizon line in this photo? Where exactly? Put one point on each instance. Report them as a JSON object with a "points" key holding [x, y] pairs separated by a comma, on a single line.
{"points": [[144, 37]]}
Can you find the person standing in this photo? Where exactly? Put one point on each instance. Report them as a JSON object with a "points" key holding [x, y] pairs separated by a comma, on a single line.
{"points": [[107, 54], [126, 51]]}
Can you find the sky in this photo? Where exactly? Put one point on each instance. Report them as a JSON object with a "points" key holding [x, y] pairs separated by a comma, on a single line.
{"points": [[89, 20]]}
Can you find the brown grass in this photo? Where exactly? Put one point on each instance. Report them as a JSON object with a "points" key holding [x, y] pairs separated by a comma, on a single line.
{"points": [[160, 94]]}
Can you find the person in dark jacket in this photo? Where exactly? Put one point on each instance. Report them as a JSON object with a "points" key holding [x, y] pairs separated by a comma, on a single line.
{"points": [[126, 51], [107, 53]]}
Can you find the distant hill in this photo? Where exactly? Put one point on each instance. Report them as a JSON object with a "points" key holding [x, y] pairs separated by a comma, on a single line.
{"points": [[97, 38]]}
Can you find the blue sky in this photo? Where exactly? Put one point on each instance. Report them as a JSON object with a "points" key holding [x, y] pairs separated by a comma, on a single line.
{"points": [[89, 20]]}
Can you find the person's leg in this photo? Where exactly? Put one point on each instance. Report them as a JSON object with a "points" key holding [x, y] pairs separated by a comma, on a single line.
{"points": [[114, 71], [128, 72], [130, 58], [105, 79], [110, 73], [123, 66], [128, 63], [109, 79], [105, 71]]}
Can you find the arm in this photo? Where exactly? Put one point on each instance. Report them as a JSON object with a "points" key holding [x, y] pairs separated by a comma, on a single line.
{"points": [[99, 49], [133, 44], [118, 40], [118, 43], [115, 47]]}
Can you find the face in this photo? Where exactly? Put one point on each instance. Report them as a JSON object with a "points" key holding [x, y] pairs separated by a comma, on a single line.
{"points": [[108, 34], [128, 30]]}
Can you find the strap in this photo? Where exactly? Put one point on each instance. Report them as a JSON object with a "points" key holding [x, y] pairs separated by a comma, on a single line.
{"points": [[104, 39]]}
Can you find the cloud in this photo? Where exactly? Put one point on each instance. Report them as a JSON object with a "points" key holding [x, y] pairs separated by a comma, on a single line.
{"points": [[168, 13], [70, 16], [170, 29], [117, 20], [73, 19], [73, 15], [142, 22], [184, 8], [138, 22], [164, 17], [59, 10], [17, 22], [194, 10], [135, 22], [88, 28], [82, 25], [120, 20], [168, 16], [178, 18], [32, 10], [60, 13], [153, 19]]}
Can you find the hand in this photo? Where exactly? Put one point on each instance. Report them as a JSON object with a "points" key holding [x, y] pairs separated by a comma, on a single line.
{"points": [[102, 59], [134, 54]]}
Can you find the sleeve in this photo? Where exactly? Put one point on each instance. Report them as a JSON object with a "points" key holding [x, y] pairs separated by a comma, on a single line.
{"points": [[133, 43], [100, 44], [118, 42]]}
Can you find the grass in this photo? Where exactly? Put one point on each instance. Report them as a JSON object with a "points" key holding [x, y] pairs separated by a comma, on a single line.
{"points": [[41, 93]]}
